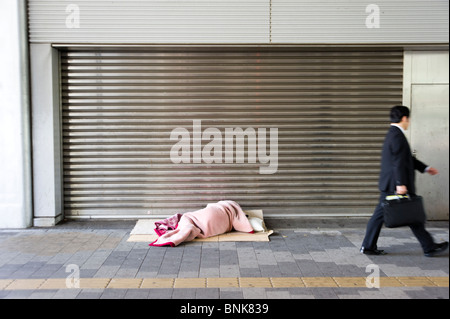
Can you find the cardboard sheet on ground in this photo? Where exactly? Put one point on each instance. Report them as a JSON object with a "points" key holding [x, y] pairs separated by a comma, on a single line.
{"points": [[144, 231]]}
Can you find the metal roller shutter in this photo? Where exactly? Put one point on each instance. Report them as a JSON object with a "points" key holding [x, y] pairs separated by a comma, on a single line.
{"points": [[120, 106]]}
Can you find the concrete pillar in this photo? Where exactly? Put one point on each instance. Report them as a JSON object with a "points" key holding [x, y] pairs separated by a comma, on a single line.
{"points": [[15, 145]]}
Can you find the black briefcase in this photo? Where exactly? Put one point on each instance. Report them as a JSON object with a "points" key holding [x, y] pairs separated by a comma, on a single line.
{"points": [[403, 211]]}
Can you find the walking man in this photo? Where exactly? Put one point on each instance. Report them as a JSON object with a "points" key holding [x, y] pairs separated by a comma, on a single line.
{"points": [[397, 176]]}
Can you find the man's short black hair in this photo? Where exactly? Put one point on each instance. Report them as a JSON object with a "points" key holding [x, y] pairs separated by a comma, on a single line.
{"points": [[397, 113]]}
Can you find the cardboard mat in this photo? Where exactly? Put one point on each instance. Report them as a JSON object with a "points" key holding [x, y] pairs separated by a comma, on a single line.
{"points": [[144, 231]]}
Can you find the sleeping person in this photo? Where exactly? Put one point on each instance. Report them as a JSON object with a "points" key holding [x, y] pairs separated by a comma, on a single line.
{"points": [[215, 219]]}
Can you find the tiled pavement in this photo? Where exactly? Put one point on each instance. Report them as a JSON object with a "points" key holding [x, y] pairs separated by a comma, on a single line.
{"points": [[301, 261]]}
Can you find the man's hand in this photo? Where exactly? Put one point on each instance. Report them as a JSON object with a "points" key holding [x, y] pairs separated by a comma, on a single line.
{"points": [[432, 171], [402, 190]]}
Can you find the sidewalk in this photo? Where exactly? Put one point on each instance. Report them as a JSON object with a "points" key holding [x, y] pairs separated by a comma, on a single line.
{"points": [[303, 260]]}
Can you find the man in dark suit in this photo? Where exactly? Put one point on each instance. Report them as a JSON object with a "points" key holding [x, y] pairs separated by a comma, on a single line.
{"points": [[397, 177]]}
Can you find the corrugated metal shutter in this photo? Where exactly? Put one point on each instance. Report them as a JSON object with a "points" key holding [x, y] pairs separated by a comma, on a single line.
{"points": [[120, 106]]}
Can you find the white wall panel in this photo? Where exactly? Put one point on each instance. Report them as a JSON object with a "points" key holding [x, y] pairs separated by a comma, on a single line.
{"points": [[426, 91], [149, 21], [239, 21], [344, 22]]}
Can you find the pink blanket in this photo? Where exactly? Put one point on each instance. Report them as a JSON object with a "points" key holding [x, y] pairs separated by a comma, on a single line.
{"points": [[167, 224], [215, 219]]}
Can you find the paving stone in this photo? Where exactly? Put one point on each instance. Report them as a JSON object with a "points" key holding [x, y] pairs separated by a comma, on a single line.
{"points": [[187, 293], [229, 270], [90, 294], [324, 293], [308, 262], [136, 294], [209, 272], [207, 293], [163, 293], [66, 294], [250, 272], [254, 293], [18, 294], [278, 294], [230, 293], [43, 294], [114, 293], [289, 269]]}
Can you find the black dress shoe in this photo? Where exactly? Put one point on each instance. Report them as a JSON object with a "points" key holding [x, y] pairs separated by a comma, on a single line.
{"points": [[375, 252], [439, 249]]}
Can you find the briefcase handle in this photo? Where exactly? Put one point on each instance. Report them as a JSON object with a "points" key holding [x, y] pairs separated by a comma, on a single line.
{"points": [[398, 197]]}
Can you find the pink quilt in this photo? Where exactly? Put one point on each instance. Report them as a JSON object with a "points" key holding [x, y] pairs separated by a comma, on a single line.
{"points": [[213, 220]]}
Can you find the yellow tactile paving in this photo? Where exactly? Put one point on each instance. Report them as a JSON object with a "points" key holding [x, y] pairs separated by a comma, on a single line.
{"points": [[94, 283], [287, 282], [25, 284], [416, 281], [190, 283], [254, 282], [350, 281], [57, 283], [244, 282], [4, 283], [390, 282], [128, 283], [440, 281], [222, 282], [157, 283], [319, 282]]}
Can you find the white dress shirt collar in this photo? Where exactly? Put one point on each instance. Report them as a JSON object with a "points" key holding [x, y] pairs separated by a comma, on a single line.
{"points": [[401, 128]]}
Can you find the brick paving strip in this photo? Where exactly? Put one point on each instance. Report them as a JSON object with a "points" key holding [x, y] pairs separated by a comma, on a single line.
{"points": [[219, 282]]}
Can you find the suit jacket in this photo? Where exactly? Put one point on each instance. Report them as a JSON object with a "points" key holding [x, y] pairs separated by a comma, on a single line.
{"points": [[397, 163]]}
